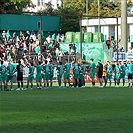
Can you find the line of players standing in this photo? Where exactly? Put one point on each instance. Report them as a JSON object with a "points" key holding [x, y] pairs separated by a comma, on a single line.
{"points": [[45, 71], [119, 70]]}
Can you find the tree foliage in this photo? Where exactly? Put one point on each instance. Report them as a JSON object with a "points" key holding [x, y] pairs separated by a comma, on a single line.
{"points": [[69, 19], [48, 9], [107, 8], [14, 5]]}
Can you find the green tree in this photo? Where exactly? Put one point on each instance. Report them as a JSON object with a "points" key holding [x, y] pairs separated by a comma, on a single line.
{"points": [[14, 5], [107, 8], [69, 19], [49, 10], [70, 13]]}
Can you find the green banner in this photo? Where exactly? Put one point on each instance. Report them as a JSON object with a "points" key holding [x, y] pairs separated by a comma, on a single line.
{"points": [[89, 50]]}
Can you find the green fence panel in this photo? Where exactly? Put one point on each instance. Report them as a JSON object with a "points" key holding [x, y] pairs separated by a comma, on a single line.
{"points": [[97, 37], [69, 37], [29, 22], [76, 37], [88, 37]]}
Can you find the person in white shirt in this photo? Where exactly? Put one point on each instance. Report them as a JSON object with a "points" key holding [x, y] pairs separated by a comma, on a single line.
{"points": [[61, 54], [48, 39]]}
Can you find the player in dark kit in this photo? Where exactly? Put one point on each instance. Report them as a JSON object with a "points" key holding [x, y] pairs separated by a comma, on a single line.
{"points": [[20, 75], [100, 72]]}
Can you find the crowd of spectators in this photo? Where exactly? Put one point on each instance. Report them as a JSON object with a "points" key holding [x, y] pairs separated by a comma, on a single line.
{"points": [[25, 44]]}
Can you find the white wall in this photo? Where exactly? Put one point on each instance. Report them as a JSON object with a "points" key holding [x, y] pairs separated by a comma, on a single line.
{"points": [[119, 32], [131, 32], [91, 29]]}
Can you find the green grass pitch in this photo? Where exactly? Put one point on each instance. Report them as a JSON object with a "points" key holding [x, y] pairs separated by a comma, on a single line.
{"points": [[82, 110]]}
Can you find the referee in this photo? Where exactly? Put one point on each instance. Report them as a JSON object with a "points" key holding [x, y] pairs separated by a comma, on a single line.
{"points": [[19, 75], [100, 72]]}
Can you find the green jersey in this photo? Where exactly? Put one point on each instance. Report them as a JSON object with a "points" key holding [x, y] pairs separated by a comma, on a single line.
{"points": [[122, 69], [83, 68], [59, 70], [76, 68], [37, 50], [31, 70], [3, 70], [92, 67], [130, 66], [116, 69], [109, 69], [10, 69], [46, 69], [51, 68], [67, 67], [38, 69]]}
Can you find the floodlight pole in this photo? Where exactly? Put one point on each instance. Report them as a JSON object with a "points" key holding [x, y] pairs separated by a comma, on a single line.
{"points": [[117, 38], [124, 24], [80, 23], [99, 16], [87, 14]]}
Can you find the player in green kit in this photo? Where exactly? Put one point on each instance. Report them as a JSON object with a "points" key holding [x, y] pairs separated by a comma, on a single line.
{"points": [[130, 76], [116, 74], [39, 69], [122, 72], [82, 71], [46, 70], [10, 72], [66, 69], [76, 74], [109, 74], [51, 68], [59, 73], [30, 76], [3, 76], [83, 68], [92, 72]]}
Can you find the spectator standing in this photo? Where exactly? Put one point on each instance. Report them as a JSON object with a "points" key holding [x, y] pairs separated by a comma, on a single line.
{"points": [[108, 43], [37, 49], [62, 38], [3, 36], [25, 47], [31, 45], [48, 40], [57, 54], [53, 37], [7, 35], [130, 50], [21, 48], [58, 38], [61, 54], [3, 50], [48, 59]]}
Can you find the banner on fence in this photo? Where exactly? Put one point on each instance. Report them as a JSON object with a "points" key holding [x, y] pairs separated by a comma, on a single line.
{"points": [[130, 56], [122, 56], [87, 78]]}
